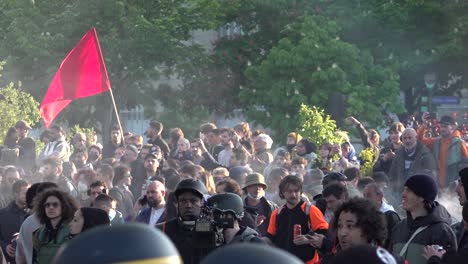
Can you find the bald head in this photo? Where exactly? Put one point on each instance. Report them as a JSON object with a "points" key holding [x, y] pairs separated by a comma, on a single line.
{"points": [[408, 137], [155, 193]]}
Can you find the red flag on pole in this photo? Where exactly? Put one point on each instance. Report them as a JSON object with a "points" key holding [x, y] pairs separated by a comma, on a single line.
{"points": [[81, 74]]}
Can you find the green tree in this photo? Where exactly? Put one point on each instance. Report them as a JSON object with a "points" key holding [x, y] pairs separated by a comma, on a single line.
{"points": [[413, 37], [16, 104], [318, 127], [307, 66], [141, 41]]}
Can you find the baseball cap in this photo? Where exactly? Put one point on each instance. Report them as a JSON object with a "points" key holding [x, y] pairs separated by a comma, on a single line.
{"points": [[22, 124]]}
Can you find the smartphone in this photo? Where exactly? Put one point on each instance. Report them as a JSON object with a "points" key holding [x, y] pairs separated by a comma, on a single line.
{"points": [[144, 200]]}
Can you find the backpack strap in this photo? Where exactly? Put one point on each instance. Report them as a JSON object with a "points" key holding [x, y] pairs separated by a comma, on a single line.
{"points": [[405, 247]]}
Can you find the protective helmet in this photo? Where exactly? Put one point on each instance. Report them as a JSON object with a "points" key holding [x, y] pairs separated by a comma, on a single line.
{"points": [[191, 185], [227, 202], [250, 253], [112, 245]]}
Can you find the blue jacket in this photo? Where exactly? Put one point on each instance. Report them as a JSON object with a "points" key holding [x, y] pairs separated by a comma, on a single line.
{"points": [[145, 215]]}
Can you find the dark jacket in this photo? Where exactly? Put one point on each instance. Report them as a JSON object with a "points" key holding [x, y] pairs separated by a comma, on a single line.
{"points": [[191, 248], [145, 215], [438, 232], [268, 207], [108, 151], [11, 218], [246, 234], [423, 161], [124, 200]]}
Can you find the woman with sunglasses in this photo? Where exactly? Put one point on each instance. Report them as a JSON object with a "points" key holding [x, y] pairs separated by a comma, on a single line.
{"points": [[55, 209]]}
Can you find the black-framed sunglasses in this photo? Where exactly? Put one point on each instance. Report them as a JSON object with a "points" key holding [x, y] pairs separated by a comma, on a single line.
{"points": [[54, 205]]}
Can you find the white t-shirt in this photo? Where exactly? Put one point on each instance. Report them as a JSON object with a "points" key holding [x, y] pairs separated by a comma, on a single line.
{"points": [[155, 215]]}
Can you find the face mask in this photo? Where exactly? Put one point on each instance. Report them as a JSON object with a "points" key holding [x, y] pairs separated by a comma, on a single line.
{"points": [[252, 197]]}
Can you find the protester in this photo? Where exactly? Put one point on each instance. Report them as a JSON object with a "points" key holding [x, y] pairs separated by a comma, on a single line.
{"points": [[55, 210], [296, 212], [86, 218], [427, 221], [449, 150], [156, 211], [11, 218]]}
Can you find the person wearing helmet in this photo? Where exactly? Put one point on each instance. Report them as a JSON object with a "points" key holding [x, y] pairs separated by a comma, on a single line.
{"points": [[189, 195], [110, 244], [250, 253], [228, 210]]}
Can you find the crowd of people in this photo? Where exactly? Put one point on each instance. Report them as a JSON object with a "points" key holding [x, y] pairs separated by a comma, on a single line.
{"points": [[228, 187]]}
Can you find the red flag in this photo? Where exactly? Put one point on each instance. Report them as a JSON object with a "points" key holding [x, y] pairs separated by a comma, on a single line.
{"points": [[81, 74]]}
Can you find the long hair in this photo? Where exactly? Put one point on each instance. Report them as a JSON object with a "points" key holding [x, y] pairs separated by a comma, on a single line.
{"points": [[68, 205]]}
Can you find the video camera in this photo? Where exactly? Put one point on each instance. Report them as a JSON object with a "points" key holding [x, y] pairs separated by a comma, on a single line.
{"points": [[208, 231]]}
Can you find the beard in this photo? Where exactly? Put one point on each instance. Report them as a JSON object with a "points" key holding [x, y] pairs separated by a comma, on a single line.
{"points": [[153, 203]]}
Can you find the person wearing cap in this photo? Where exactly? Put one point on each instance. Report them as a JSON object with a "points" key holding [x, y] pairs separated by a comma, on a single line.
{"points": [[411, 158], [427, 222], [189, 195], [254, 189], [143, 176], [153, 132], [27, 156], [449, 149]]}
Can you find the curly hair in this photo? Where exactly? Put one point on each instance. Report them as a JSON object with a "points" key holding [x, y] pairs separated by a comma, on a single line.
{"points": [[371, 222], [68, 205]]}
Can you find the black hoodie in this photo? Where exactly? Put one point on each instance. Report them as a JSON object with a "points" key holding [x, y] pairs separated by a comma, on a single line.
{"points": [[438, 232]]}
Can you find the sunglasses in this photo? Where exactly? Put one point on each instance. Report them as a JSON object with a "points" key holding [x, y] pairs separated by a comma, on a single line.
{"points": [[54, 205]]}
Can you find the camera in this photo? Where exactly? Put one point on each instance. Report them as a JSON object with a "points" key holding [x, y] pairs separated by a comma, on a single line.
{"points": [[208, 230]]}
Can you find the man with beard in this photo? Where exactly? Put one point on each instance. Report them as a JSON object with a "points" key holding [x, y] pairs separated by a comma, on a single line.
{"points": [[189, 195], [296, 212], [153, 132], [412, 158], [52, 169], [116, 141], [57, 146], [145, 172], [255, 187], [155, 213]]}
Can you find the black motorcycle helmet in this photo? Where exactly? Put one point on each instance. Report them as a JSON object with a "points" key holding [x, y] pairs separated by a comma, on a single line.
{"points": [[195, 186], [227, 202], [131, 242], [248, 253]]}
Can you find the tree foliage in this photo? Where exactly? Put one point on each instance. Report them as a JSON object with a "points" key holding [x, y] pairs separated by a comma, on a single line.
{"points": [[307, 66], [318, 127], [141, 41], [16, 104]]}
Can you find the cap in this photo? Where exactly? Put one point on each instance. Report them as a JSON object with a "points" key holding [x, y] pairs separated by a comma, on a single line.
{"points": [[132, 148], [255, 178], [22, 124], [447, 120]]}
